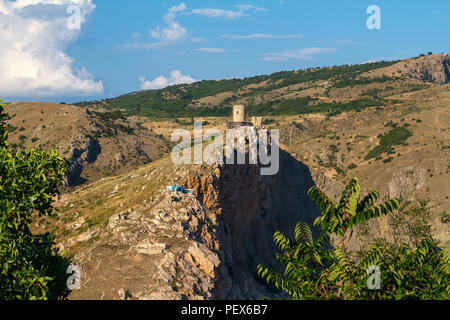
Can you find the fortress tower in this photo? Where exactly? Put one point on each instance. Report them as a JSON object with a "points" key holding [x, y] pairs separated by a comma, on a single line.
{"points": [[239, 117], [239, 113]]}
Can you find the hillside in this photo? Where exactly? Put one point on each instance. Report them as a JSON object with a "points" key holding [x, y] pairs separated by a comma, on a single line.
{"points": [[132, 237], [386, 123], [98, 143], [339, 88], [402, 149]]}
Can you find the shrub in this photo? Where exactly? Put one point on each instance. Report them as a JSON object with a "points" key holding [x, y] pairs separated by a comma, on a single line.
{"points": [[314, 270], [394, 137], [29, 267], [445, 217]]}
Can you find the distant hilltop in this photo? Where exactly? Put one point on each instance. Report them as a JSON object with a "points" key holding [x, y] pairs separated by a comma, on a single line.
{"points": [[313, 90]]}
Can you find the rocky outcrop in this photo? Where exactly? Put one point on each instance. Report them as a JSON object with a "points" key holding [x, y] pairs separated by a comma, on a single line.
{"points": [[79, 157], [247, 209], [97, 143], [156, 252], [201, 245], [434, 68]]}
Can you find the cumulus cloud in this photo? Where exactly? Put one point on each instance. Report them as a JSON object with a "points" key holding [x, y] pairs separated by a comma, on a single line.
{"points": [[241, 11], [34, 35], [171, 34], [173, 31], [176, 77], [211, 50], [302, 54], [262, 36]]}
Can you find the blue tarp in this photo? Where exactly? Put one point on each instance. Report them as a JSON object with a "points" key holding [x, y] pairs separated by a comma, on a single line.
{"points": [[178, 188]]}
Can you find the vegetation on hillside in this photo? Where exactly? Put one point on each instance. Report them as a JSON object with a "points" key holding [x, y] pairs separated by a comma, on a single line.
{"points": [[314, 270], [303, 106], [30, 268], [396, 136], [360, 81], [175, 101]]}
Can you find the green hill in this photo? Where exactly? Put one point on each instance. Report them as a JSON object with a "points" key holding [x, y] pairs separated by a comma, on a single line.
{"points": [[180, 100], [324, 90]]}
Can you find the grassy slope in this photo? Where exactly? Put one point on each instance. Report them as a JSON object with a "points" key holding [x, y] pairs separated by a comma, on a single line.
{"points": [[189, 100]]}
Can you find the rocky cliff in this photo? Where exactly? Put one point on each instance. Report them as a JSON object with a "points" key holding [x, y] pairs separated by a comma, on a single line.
{"points": [[133, 238], [434, 68], [97, 143], [247, 209]]}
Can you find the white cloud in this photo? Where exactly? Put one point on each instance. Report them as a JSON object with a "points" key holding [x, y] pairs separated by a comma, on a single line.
{"points": [[211, 50], [262, 36], [243, 10], [161, 82], [171, 34], [218, 13], [248, 7], [285, 55], [373, 60], [174, 31], [179, 8], [302, 54], [315, 50], [34, 35], [197, 40]]}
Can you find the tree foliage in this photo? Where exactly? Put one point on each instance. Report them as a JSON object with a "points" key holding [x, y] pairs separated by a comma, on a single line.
{"points": [[337, 217], [314, 270], [29, 180]]}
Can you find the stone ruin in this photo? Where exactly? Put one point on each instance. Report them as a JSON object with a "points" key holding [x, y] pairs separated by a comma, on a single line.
{"points": [[240, 118]]}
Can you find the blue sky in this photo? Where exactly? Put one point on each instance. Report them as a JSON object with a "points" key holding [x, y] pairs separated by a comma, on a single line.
{"points": [[126, 46]]}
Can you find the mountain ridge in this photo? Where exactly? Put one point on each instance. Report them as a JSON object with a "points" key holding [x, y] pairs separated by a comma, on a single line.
{"points": [[301, 88]]}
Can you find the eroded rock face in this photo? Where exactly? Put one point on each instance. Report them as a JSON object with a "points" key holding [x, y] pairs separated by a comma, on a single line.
{"points": [[204, 245], [79, 156], [434, 67], [157, 252], [95, 144], [248, 209]]}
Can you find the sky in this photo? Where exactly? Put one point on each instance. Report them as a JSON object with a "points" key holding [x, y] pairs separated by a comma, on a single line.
{"points": [[82, 50]]}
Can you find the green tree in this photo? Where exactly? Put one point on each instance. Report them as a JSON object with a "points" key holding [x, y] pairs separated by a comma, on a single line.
{"points": [[340, 216], [29, 180], [314, 270]]}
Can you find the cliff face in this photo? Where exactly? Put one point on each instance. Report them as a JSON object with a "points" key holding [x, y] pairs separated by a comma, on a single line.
{"points": [[154, 244], [145, 242], [133, 238], [97, 143], [434, 67], [247, 209]]}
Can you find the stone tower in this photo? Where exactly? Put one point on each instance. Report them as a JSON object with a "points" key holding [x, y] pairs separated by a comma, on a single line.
{"points": [[239, 113], [240, 118]]}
